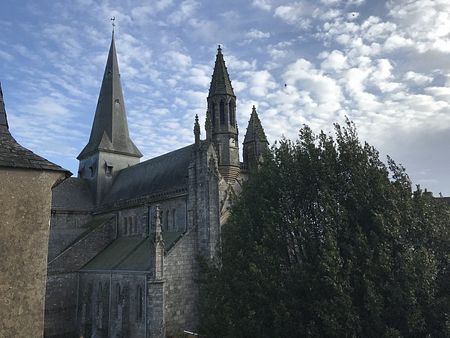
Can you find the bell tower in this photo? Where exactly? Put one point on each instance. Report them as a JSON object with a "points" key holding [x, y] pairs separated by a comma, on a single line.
{"points": [[110, 148], [221, 120]]}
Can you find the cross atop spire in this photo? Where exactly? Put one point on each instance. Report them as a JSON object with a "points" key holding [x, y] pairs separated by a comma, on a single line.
{"points": [[110, 128], [220, 83], [3, 118], [113, 23]]}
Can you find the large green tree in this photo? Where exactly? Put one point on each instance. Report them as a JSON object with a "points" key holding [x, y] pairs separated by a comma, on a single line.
{"points": [[328, 241]]}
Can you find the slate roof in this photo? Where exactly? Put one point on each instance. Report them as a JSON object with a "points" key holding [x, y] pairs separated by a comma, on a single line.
{"points": [[165, 173], [220, 83], [110, 128], [129, 254], [72, 194], [255, 131], [13, 155]]}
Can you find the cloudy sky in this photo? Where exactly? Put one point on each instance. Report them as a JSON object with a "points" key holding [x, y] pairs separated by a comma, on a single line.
{"points": [[384, 64]]}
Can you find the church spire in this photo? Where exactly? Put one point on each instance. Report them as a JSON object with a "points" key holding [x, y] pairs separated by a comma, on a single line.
{"points": [[110, 128], [255, 142], [220, 83], [221, 118], [255, 131], [3, 118]]}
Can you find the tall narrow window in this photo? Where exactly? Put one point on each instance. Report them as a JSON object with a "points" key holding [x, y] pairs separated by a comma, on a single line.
{"points": [[139, 303], [167, 220], [222, 113], [231, 113], [213, 108], [125, 228], [173, 219]]}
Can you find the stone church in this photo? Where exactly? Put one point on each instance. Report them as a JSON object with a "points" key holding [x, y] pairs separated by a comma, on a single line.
{"points": [[125, 235]]}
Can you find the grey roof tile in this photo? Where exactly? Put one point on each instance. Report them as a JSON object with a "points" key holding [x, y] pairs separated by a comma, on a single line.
{"points": [[220, 83], [72, 194], [165, 173], [13, 155], [110, 128]]}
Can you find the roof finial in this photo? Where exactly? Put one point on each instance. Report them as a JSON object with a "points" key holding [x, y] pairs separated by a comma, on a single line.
{"points": [[197, 130], [113, 19], [219, 49]]}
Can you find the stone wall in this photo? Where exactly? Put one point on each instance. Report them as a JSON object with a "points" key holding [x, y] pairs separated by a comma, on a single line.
{"points": [[180, 271], [61, 295], [60, 305], [25, 197], [65, 227], [112, 305]]}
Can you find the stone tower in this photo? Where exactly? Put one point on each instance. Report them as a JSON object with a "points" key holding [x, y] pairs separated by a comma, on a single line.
{"points": [[110, 148], [221, 120], [255, 142]]}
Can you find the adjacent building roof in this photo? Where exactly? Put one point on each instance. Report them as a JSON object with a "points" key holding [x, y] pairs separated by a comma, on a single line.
{"points": [[255, 131], [72, 194], [129, 254], [110, 128], [220, 83], [166, 173], [13, 155]]}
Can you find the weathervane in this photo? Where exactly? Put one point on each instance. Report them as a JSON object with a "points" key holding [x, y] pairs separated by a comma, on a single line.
{"points": [[113, 19]]}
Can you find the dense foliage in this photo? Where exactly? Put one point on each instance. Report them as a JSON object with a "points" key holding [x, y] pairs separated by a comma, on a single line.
{"points": [[327, 241]]}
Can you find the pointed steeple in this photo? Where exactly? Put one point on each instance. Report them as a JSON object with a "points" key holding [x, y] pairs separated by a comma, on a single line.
{"points": [[3, 118], [110, 128], [255, 142], [220, 83], [255, 131]]}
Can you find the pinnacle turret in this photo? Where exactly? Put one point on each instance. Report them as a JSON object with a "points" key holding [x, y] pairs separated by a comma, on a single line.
{"points": [[220, 83], [197, 130], [110, 128], [255, 142], [255, 131]]}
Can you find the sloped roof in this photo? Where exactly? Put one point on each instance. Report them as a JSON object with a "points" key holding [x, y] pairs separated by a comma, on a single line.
{"points": [[72, 194], [13, 155], [129, 254], [165, 173], [220, 83], [110, 128], [255, 131]]}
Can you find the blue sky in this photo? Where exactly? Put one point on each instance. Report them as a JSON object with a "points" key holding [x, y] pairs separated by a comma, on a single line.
{"points": [[384, 64]]}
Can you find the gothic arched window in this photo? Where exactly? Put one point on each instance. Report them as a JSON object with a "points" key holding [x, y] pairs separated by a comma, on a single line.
{"points": [[173, 219], [139, 303], [231, 112], [213, 109], [222, 112], [167, 220]]}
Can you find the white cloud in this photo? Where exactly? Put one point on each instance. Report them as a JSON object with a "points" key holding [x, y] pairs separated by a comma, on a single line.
{"points": [[334, 61], [257, 34], [295, 13], [262, 4], [179, 59], [417, 78]]}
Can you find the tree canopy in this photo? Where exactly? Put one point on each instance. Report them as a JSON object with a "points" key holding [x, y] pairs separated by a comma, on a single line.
{"points": [[328, 241]]}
